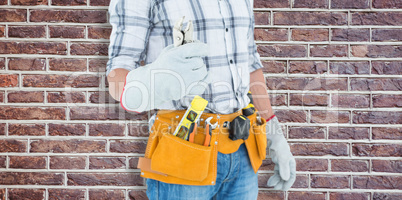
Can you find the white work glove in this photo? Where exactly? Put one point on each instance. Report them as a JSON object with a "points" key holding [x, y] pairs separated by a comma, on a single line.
{"points": [[285, 164], [178, 71]]}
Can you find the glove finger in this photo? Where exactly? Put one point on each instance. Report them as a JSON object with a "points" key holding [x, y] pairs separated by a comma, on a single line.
{"points": [[274, 180], [192, 50], [167, 48], [284, 169], [279, 186], [289, 183]]}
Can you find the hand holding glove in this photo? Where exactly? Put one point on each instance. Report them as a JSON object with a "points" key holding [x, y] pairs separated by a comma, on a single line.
{"points": [[178, 71], [285, 164]]}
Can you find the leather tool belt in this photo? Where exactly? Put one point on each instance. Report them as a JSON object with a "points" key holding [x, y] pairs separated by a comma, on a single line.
{"points": [[171, 159]]}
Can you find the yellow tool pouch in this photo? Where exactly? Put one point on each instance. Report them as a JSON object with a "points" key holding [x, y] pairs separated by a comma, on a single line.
{"points": [[171, 159]]}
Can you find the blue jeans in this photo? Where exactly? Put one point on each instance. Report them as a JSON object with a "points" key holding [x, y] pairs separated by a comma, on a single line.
{"points": [[235, 180]]}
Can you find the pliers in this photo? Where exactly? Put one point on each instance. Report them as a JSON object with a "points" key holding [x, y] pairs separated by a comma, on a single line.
{"points": [[180, 36], [208, 130]]}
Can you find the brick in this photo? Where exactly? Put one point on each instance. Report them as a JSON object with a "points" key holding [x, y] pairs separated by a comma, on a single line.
{"points": [[13, 15], [318, 116], [95, 32], [310, 35], [349, 195], [267, 164], [3, 2], [291, 116], [97, 65], [89, 49], [27, 64], [67, 129], [308, 100], [102, 98], [377, 18], [137, 194], [346, 4], [350, 100], [26, 47], [1, 99], [17, 194], [2, 31], [31, 178], [375, 84], [27, 31], [387, 4], [8, 80], [3, 163], [262, 18], [128, 146], [307, 132], [99, 2], [310, 4], [387, 100], [386, 67], [105, 129], [66, 97], [350, 67], [351, 35], [106, 194], [26, 129], [282, 50], [301, 182], [13, 146], [132, 163], [68, 64], [349, 165], [28, 2], [68, 146], [391, 166], [386, 196], [346, 133], [377, 182], [104, 179], [107, 163], [278, 99], [67, 162], [3, 194], [66, 194], [312, 165], [103, 113], [61, 81], [2, 63], [67, 31], [31, 113], [2, 129], [377, 117], [272, 34], [27, 162], [73, 16], [308, 67], [274, 66], [306, 83], [381, 133], [331, 181], [306, 195], [138, 130], [319, 149], [387, 35], [271, 4], [25, 97], [69, 2], [310, 18], [270, 195], [377, 51], [376, 150], [331, 50]]}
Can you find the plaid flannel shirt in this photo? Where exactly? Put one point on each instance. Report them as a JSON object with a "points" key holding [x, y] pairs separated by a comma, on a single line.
{"points": [[142, 28]]}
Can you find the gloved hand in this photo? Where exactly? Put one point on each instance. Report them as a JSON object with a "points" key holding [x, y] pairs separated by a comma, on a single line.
{"points": [[178, 71], [285, 164]]}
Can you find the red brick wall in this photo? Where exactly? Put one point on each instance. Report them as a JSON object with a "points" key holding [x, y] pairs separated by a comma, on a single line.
{"points": [[333, 68]]}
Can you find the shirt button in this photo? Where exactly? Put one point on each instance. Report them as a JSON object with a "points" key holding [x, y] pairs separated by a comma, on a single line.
{"points": [[231, 61], [227, 29]]}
